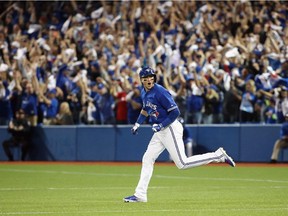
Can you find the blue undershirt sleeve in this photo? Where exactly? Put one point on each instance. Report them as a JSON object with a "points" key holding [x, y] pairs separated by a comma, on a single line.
{"points": [[172, 116], [141, 119]]}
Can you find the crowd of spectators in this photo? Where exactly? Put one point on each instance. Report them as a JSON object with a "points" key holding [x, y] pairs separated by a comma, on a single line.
{"points": [[76, 62]]}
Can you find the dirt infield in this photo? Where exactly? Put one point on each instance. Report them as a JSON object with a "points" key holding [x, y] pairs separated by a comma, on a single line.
{"points": [[108, 163]]}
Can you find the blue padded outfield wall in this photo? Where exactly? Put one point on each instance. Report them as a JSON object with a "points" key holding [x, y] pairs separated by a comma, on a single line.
{"points": [[245, 143]]}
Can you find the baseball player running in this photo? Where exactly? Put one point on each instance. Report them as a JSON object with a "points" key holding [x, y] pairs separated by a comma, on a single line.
{"points": [[162, 110]]}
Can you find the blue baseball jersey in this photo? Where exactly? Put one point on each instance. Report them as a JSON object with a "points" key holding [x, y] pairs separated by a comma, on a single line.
{"points": [[157, 102], [29, 104]]}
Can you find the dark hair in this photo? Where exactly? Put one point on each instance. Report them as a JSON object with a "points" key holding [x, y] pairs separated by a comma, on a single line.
{"points": [[20, 111]]}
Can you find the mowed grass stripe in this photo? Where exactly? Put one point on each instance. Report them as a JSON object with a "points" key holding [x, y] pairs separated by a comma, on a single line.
{"points": [[151, 211], [136, 175], [99, 190]]}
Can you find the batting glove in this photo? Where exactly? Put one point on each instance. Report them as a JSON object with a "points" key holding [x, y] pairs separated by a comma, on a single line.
{"points": [[134, 129], [157, 127]]}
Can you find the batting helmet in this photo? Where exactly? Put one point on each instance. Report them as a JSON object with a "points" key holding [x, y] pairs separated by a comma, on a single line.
{"points": [[147, 71]]}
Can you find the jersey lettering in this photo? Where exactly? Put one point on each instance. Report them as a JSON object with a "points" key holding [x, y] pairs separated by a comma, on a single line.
{"points": [[152, 106], [152, 111]]}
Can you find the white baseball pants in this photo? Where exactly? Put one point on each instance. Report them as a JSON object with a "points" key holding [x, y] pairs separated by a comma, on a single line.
{"points": [[171, 139]]}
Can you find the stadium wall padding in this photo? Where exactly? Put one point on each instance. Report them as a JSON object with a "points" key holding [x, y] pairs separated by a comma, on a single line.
{"points": [[244, 142]]}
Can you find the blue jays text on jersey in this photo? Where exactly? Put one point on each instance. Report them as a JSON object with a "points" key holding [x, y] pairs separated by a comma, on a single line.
{"points": [[157, 103]]}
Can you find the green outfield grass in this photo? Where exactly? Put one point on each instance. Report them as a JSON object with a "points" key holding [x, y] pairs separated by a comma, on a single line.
{"points": [[98, 189]]}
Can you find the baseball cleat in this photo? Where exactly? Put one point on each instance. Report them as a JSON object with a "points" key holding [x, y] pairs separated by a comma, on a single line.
{"points": [[227, 158], [133, 199]]}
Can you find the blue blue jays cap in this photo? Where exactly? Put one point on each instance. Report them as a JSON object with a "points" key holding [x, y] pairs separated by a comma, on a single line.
{"points": [[146, 71], [198, 68], [92, 83], [52, 91], [95, 64], [100, 86]]}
